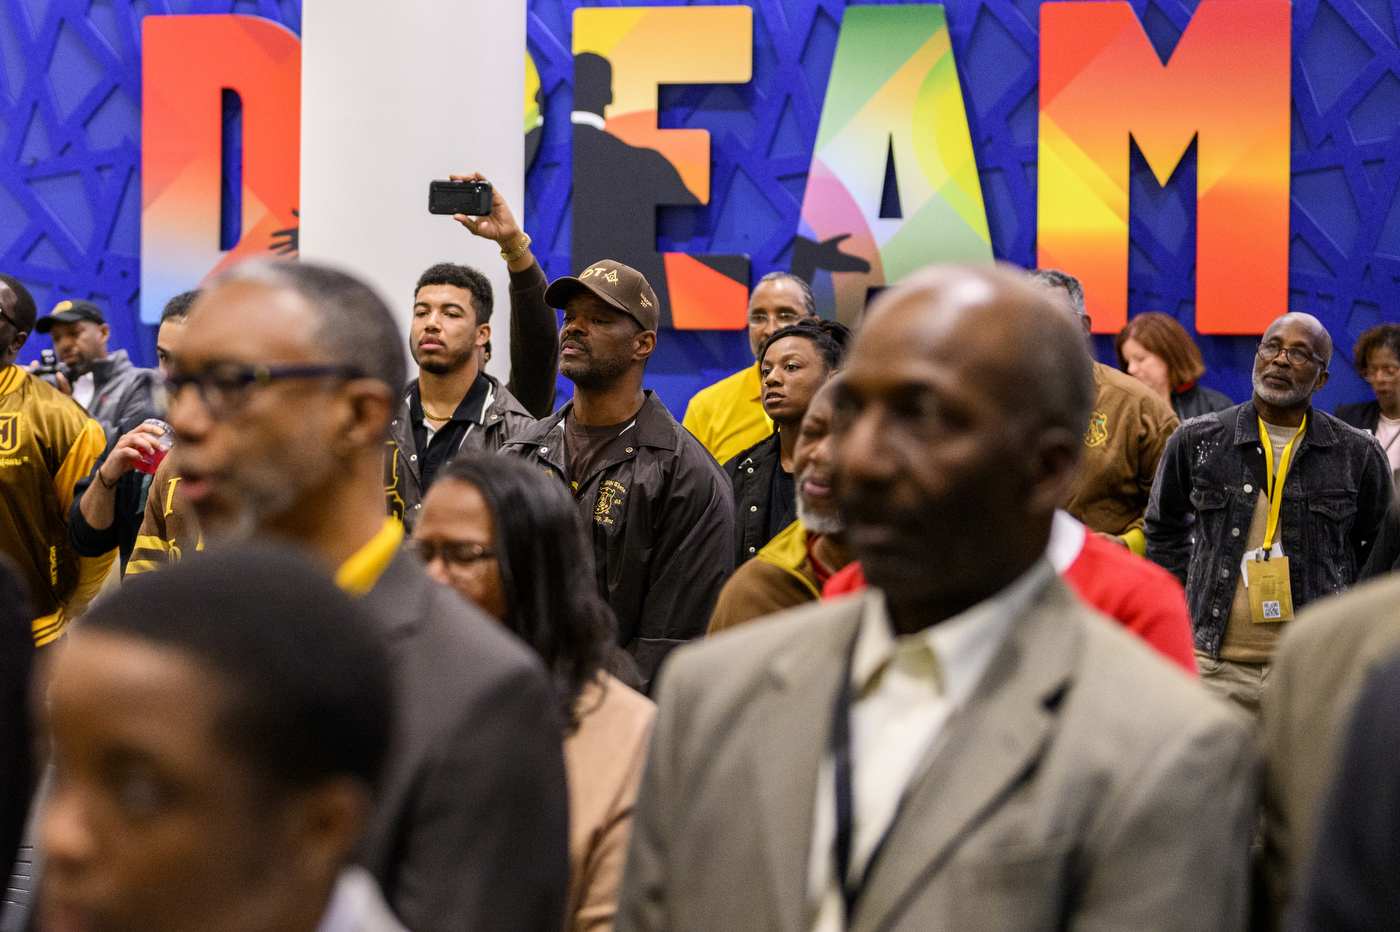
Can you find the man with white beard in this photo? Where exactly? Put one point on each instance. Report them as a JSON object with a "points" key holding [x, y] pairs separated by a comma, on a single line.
{"points": [[792, 568], [1264, 507]]}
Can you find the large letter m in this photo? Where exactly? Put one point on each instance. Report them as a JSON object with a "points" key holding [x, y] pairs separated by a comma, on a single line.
{"points": [[1227, 86]]}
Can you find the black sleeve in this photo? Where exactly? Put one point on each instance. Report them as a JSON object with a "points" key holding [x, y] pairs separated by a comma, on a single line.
{"points": [[128, 508], [1386, 552], [534, 343], [488, 847], [1170, 515], [1375, 490], [1351, 883], [16, 663]]}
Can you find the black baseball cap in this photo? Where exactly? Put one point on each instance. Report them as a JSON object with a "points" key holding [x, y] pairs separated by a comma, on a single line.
{"points": [[70, 312], [618, 285]]}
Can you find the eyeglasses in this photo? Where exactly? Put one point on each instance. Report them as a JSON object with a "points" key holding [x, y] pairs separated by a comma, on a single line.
{"points": [[1269, 350], [457, 555], [223, 387], [1380, 372], [784, 318]]}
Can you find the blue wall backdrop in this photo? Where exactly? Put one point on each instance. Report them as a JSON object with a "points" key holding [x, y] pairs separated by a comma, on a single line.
{"points": [[70, 161]]}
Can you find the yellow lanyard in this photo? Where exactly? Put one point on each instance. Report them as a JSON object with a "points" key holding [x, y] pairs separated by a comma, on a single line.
{"points": [[1276, 484]]}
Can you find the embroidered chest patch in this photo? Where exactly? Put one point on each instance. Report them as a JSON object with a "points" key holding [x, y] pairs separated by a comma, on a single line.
{"points": [[1097, 434]]}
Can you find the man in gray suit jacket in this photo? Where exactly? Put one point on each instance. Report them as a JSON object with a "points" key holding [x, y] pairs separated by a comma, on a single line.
{"points": [[965, 747], [282, 391]]}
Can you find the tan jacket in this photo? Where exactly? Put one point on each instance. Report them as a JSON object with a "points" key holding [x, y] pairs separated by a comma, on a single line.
{"points": [[1127, 433], [779, 577], [603, 759], [1319, 668], [1087, 784], [170, 528]]}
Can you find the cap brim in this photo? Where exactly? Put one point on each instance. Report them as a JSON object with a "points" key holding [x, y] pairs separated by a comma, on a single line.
{"points": [[45, 324], [562, 289]]}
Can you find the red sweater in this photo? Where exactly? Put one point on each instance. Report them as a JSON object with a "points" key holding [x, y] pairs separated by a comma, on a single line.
{"points": [[1145, 598]]}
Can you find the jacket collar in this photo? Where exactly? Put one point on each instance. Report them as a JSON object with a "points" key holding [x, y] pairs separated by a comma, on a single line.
{"points": [[766, 450], [1319, 432], [111, 365], [654, 427]]}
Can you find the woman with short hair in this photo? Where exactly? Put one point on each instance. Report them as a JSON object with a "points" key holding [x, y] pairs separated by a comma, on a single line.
{"points": [[1377, 360], [1157, 351], [507, 537]]}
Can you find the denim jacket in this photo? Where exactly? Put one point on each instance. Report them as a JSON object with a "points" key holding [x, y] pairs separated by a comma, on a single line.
{"points": [[1334, 501]]}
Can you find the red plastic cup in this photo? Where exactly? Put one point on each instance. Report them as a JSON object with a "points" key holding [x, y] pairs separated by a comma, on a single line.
{"points": [[149, 463]]}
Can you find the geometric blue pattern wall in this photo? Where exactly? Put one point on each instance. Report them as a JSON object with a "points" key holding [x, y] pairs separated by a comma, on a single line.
{"points": [[70, 90]]}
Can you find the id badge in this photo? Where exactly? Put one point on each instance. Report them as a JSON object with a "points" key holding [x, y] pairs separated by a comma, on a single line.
{"points": [[1270, 596]]}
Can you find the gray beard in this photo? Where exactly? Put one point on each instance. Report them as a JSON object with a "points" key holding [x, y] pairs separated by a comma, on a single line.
{"points": [[1280, 399], [815, 523]]}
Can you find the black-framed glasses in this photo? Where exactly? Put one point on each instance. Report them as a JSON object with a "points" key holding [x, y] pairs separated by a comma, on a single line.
{"points": [[457, 555], [223, 387], [1269, 350]]}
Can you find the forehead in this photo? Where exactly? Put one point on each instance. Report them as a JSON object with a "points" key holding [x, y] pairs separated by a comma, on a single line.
{"points": [[790, 346], [250, 322], [454, 509], [117, 692], [76, 327], [444, 294], [1293, 332], [779, 292], [925, 338]]}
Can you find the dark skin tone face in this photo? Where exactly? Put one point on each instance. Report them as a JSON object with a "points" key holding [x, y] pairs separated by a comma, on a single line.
{"points": [[940, 465], [444, 335], [603, 352], [1380, 365], [12, 339], [79, 344], [1283, 388], [157, 824], [773, 305]]}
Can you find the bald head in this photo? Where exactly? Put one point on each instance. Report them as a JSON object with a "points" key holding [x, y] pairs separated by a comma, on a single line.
{"points": [[959, 422], [1310, 327]]}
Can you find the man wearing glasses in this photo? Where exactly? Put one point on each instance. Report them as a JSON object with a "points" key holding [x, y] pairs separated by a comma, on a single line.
{"points": [[1264, 507], [47, 443], [728, 417], [281, 393]]}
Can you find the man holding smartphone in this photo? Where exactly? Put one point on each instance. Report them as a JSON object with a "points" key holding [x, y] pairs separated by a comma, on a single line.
{"points": [[453, 405]]}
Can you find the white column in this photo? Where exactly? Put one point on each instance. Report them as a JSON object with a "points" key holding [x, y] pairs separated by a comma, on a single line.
{"points": [[395, 95]]}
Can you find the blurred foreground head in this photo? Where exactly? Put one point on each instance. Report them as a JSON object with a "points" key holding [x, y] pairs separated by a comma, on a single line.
{"points": [[959, 422], [218, 729]]}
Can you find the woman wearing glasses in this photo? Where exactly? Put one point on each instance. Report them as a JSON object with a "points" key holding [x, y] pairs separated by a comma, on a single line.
{"points": [[1377, 359], [507, 537]]}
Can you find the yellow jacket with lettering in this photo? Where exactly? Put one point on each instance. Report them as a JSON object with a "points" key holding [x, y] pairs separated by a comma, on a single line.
{"points": [[169, 527], [47, 443]]}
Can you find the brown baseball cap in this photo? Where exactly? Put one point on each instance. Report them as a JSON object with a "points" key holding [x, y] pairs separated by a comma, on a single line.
{"points": [[618, 285]]}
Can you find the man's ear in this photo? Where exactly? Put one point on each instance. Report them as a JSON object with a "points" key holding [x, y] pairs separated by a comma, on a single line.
{"points": [[483, 334], [371, 404], [322, 827], [1054, 463], [106, 332], [1321, 381], [643, 344]]}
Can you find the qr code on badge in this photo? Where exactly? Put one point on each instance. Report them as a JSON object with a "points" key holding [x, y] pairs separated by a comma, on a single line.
{"points": [[1272, 610]]}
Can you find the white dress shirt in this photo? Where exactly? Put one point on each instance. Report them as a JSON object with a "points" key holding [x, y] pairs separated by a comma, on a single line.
{"points": [[904, 690]]}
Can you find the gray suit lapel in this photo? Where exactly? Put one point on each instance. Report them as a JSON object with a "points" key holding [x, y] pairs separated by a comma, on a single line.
{"points": [[983, 754], [791, 740]]}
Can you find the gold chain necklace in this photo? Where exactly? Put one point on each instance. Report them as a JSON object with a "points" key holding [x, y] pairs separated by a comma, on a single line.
{"points": [[433, 417]]}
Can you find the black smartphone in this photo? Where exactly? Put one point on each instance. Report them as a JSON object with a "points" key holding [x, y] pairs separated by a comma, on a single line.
{"points": [[472, 198]]}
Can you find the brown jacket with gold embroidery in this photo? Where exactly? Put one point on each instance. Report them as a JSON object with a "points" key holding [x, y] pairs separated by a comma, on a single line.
{"points": [[1127, 433], [170, 527], [47, 443]]}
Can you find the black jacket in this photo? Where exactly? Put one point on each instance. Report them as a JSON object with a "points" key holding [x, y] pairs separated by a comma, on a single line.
{"points": [[469, 830], [503, 418], [1364, 415], [1198, 400], [660, 514], [751, 473], [1208, 482], [16, 744]]}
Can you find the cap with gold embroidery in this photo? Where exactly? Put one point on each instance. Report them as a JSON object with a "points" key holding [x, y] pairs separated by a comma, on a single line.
{"points": [[618, 285], [70, 312]]}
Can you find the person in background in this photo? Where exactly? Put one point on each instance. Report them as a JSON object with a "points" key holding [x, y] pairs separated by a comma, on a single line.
{"points": [[659, 509], [454, 406], [1265, 507], [1322, 661], [795, 362], [1127, 432], [281, 393], [728, 416], [792, 567], [110, 504], [508, 538], [47, 444], [1157, 351], [965, 746], [1350, 883], [218, 733], [112, 390], [1377, 360]]}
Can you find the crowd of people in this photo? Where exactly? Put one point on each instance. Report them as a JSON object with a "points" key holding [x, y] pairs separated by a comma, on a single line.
{"points": [[933, 622]]}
